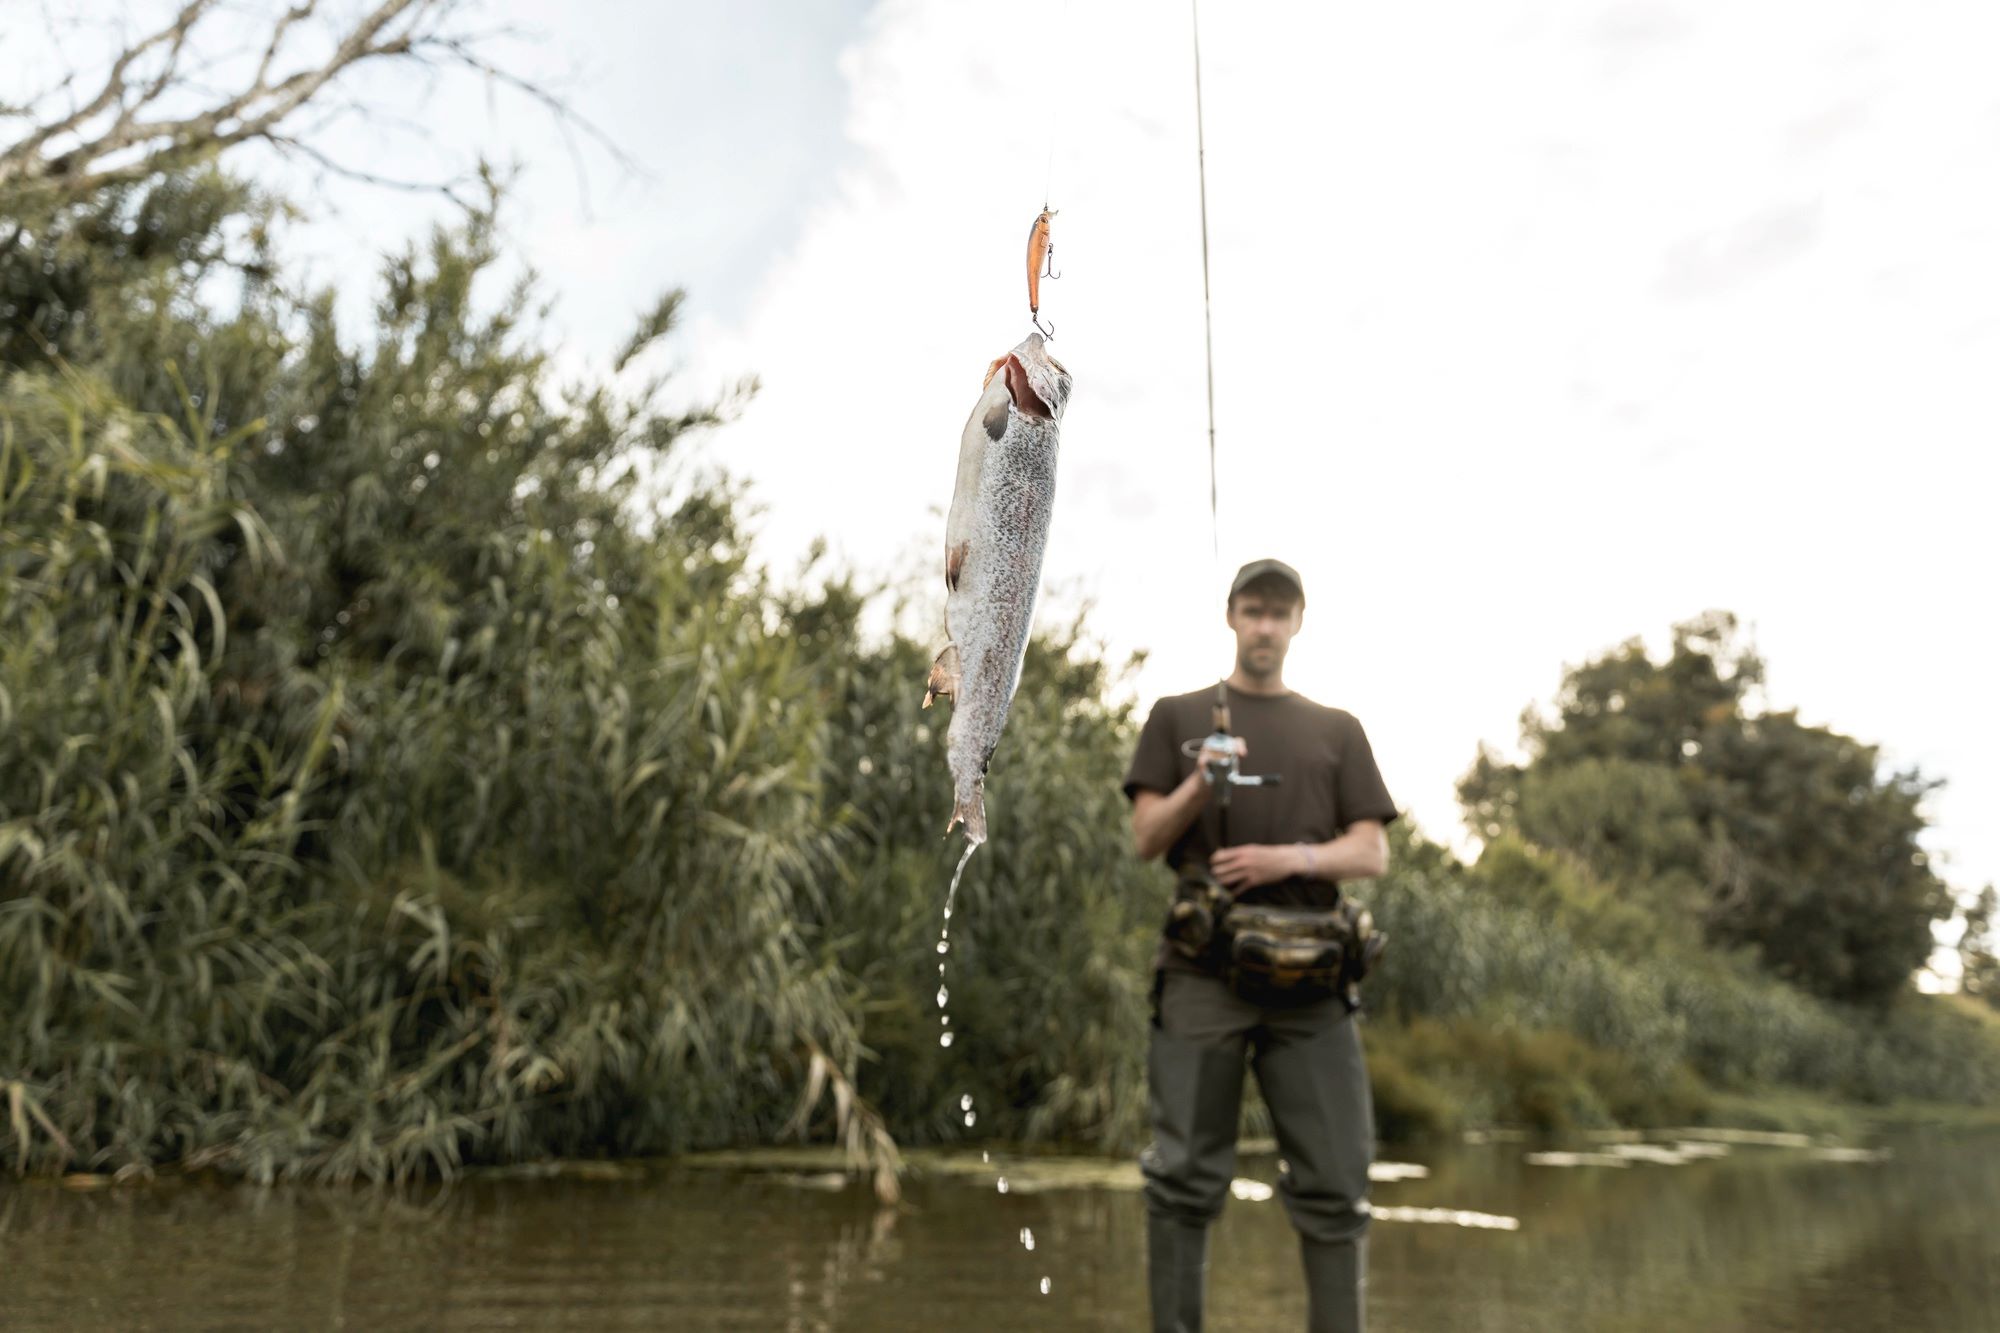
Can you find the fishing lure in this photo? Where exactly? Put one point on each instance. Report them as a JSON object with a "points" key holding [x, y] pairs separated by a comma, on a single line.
{"points": [[1041, 251]]}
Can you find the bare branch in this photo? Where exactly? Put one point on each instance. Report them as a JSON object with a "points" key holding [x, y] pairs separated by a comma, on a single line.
{"points": [[251, 112], [295, 14], [449, 188], [168, 68], [565, 114], [140, 125], [284, 97], [114, 85]]}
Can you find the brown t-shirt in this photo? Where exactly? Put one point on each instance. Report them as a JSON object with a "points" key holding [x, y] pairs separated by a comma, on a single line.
{"points": [[1328, 772]]}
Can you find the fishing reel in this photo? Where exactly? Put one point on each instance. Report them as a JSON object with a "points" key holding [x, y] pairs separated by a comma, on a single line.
{"points": [[1225, 772]]}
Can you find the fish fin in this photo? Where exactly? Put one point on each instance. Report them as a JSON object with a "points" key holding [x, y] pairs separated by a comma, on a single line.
{"points": [[972, 814], [1026, 401], [995, 421], [943, 679], [954, 565], [990, 371]]}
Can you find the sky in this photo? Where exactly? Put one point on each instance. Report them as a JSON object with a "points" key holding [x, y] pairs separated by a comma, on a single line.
{"points": [[1537, 326]]}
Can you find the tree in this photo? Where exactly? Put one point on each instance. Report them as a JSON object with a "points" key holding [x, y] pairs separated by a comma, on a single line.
{"points": [[1667, 777], [1979, 949], [380, 786]]}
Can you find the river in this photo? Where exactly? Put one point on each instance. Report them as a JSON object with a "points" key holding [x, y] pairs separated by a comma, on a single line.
{"points": [[1904, 1234]]}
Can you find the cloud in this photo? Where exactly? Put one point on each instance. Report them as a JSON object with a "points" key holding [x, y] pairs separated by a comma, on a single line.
{"points": [[1715, 262], [1407, 286]]}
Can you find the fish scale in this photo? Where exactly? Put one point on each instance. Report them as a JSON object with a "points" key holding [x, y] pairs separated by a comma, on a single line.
{"points": [[995, 533]]}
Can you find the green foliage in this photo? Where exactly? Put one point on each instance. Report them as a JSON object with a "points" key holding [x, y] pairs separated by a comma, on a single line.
{"points": [[1785, 838], [376, 792], [1559, 887], [1410, 1106], [1487, 1072], [1979, 949], [1055, 922], [1523, 950]]}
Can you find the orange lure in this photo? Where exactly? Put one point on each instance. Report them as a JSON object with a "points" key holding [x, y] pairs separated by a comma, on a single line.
{"points": [[1039, 251]]}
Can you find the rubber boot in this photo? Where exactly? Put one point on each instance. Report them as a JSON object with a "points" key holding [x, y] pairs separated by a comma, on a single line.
{"points": [[1176, 1273], [1336, 1280]]}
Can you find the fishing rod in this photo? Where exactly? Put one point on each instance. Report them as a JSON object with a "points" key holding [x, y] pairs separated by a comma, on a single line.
{"points": [[1224, 774]]}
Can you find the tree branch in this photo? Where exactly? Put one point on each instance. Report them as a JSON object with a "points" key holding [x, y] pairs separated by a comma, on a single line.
{"points": [[113, 91], [254, 109], [565, 115], [449, 188]]}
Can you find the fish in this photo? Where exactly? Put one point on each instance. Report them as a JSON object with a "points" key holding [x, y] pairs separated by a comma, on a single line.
{"points": [[995, 533]]}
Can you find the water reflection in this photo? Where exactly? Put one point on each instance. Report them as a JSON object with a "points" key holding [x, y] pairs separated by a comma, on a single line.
{"points": [[1764, 1237]]}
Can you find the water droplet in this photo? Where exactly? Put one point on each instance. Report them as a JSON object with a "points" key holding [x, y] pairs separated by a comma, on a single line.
{"points": [[1045, 1286], [984, 1157], [1027, 1238], [970, 1116], [1003, 1184], [943, 947], [945, 1040], [944, 1020], [965, 1102], [943, 995]]}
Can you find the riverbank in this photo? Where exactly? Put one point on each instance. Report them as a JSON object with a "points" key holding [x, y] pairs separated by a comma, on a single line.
{"points": [[1522, 990]]}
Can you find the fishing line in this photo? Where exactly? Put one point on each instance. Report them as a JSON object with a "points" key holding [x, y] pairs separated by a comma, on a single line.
{"points": [[1207, 322], [1056, 45]]}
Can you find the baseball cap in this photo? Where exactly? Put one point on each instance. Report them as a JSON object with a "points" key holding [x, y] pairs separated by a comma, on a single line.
{"points": [[1257, 569]]}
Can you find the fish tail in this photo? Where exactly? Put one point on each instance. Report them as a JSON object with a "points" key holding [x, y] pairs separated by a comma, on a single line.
{"points": [[969, 809]]}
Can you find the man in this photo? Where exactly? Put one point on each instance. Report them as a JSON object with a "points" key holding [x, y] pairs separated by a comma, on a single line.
{"points": [[1288, 844]]}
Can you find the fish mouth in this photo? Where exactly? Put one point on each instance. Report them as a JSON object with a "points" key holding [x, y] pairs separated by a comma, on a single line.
{"points": [[1042, 389], [1026, 401]]}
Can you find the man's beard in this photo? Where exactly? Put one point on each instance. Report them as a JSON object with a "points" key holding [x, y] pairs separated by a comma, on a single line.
{"points": [[1247, 661]]}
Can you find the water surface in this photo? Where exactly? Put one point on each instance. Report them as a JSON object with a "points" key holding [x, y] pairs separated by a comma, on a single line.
{"points": [[1760, 1238]]}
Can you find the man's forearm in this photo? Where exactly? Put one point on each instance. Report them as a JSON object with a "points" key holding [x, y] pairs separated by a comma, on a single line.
{"points": [[1159, 820], [1360, 853]]}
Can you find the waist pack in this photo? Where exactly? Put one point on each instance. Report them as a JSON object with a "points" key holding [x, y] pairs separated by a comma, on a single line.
{"points": [[1274, 957]]}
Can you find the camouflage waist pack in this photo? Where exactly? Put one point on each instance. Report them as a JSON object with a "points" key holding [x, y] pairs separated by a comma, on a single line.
{"points": [[1276, 957]]}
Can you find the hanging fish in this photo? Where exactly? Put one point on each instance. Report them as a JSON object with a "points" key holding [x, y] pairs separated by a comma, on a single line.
{"points": [[1040, 250], [994, 535]]}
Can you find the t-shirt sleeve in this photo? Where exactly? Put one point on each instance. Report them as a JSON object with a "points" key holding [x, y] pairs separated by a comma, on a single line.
{"points": [[1363, 794], [1156, 759]]}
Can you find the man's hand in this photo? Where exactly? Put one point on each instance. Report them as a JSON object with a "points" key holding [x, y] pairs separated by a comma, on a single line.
{"points": [[1219, 749], [1254, 865], [1159, 818]]}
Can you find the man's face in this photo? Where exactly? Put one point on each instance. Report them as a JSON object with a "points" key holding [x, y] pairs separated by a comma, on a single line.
{"points": [[1264, 625]]}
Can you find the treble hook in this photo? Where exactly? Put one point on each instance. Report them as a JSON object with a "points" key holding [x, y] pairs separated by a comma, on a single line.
{"points": [[1049, 332], [1050, 271], [1039, 250]]}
